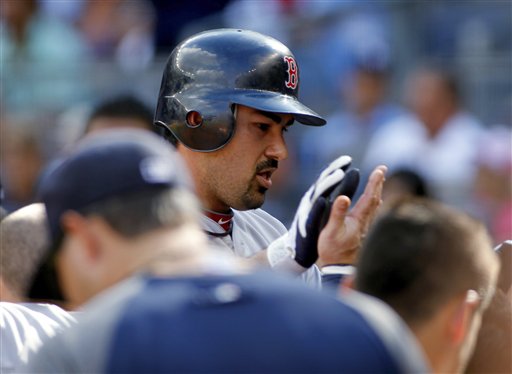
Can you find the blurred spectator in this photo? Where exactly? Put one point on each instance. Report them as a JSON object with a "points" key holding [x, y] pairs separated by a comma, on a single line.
{"points": [[24, 326], [118, 29], [352, 36], [23, 153], [365, 108], [38, 48], [404, 183], [439, 141], [144, 225], [436, 268], [479, 28], [493, 186], [120, 112]]}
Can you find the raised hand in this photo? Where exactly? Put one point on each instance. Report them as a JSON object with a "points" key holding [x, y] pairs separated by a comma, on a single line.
{"points": [[300, 242], [341, 238]]}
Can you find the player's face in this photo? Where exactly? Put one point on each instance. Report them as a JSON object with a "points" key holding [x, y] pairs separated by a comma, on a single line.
{"points": [[238, 175]]}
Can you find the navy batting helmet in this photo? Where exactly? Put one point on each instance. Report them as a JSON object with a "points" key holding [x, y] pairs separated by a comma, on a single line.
{"points": [[209, 72]]}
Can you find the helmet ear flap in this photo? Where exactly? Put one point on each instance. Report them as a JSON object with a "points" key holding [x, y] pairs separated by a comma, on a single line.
{"points": [[206, 130]]}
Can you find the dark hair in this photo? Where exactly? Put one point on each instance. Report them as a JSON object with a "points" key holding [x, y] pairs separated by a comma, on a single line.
{"points": [[448, 77], [125, 106], [411, 180], [421, 253], [139, 212], [451, 84]]}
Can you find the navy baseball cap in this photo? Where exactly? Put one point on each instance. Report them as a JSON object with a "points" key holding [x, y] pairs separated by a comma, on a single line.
{"points": [[107, 164]]}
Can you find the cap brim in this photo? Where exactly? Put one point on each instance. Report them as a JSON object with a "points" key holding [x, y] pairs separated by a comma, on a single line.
{"points": [[278, 103]]}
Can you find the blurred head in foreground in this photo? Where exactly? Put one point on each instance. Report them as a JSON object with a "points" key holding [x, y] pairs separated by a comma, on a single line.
{"points": [[435, 266]]}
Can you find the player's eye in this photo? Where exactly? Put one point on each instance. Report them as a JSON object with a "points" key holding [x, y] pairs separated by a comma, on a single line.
{"points": [[263, 127]]}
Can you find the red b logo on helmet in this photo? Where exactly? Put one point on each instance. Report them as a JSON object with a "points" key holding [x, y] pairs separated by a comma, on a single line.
{"points": [[293, 74]]}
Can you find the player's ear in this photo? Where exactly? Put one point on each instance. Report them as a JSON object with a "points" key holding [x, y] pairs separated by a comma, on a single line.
{"points": [[76, 226], [461, 319]]}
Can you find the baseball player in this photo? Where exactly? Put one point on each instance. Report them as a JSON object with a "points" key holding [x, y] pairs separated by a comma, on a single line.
{"points": [[226, 99]]}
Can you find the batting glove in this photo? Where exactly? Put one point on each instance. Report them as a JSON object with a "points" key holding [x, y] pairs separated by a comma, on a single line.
{"points": [[297, 249]]}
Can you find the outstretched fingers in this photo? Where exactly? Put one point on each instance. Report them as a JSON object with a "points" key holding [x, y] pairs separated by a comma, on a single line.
{"points": [[341, 238], [339, 211], [366, 207]]}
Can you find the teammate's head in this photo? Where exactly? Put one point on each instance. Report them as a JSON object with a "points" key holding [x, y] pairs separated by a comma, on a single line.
{"points": [[225, 99], [24, 242], [403, 183], [116, 191], [120, 112], [435, 266]]}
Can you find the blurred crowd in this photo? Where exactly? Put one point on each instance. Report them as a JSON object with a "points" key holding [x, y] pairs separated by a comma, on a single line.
{"points": [[424, 88]]}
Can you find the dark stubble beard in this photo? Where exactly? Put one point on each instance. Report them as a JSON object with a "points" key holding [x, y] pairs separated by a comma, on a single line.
{"points": [[254, 195]]}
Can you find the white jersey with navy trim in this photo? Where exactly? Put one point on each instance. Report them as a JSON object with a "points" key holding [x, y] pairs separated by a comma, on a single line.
{"points": [[24, 327], [253, 231]]}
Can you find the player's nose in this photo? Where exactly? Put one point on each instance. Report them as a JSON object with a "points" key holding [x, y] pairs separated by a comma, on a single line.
{"points": [[277, 148]]}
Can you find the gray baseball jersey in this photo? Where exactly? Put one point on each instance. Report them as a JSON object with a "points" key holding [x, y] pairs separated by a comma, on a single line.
{"points": [[253, 231]]}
